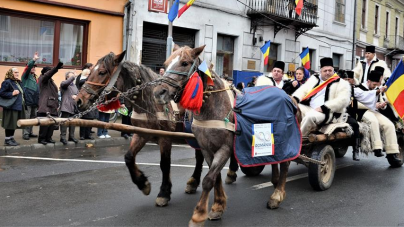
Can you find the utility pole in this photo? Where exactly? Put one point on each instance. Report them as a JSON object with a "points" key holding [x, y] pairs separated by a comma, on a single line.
{"points": [[354, 36], [170, 35]]}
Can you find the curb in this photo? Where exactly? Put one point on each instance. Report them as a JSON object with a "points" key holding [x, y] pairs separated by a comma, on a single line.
{"points": [[5, 150]]}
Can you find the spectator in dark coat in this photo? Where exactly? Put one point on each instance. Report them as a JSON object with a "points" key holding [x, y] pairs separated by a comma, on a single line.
{"points": [[10, 87], [31, 90], [252, 82], [68, 107], [301, 76], [85, 132], [48, 101]]}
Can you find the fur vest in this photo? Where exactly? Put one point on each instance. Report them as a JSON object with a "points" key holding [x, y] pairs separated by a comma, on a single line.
{"points": [[361, 66], [336, 100]]}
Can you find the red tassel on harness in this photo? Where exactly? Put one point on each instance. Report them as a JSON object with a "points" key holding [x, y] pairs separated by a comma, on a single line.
{"points": [[192, 95], [110, 106]]}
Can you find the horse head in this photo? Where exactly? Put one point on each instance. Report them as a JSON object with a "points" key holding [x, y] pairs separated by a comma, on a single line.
{"points": [[182, 63], [99, 78]]}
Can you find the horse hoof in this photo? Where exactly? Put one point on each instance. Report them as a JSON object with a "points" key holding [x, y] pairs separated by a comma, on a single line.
{"points": [[196, 224], [273, 205], [190, 189], [214, 215], [231, 177], [162, 202], [147, 188]]}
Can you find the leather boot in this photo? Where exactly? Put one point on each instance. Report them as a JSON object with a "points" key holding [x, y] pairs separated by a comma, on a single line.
{"points": [[355, 149], [378, 153], [64, 141], [392, 158]]}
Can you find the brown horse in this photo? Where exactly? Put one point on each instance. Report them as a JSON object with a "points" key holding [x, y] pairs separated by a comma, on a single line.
{"points": [[216, 143], [147, 114]]}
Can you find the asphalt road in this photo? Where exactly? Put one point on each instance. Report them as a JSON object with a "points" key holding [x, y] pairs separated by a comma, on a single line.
{"points": [[92, 187]]}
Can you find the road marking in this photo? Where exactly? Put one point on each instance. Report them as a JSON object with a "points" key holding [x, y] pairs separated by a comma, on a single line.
{"points": [[98, 161], [174, 145], [292, 178]]}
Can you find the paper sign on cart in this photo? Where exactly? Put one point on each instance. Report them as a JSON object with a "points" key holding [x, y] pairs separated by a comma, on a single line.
{"points": [[262, 140]]}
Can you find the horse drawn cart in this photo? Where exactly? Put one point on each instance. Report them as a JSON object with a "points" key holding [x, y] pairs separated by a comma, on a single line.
{"points": [[318, 153]]}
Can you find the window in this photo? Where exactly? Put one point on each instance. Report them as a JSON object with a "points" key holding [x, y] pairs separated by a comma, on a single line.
{"points": [[377, 20], [22, 35], [224, 55], [336, 58], [387, 25], [273, 56], [340, 11]]}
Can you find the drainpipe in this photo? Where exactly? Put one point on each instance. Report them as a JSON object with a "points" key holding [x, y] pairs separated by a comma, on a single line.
{"points": [[127, 29], [354, 37], [170, 36]]}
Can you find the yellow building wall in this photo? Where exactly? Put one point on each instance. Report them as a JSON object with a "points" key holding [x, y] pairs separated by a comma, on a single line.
{"points": [[105, 32]]}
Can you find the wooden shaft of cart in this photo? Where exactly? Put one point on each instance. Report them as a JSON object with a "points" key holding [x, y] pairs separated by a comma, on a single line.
{"points": [[45, 121]]}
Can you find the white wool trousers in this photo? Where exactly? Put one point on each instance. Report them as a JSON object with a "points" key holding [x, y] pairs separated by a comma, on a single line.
{"points": [[310, 119], [388, 132], [374, 130]]}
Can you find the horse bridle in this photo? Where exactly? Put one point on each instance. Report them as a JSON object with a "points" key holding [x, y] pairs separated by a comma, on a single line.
{"points": [[174, 83], [109, 85]]}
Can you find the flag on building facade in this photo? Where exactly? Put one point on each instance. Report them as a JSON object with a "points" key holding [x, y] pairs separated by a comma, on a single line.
{"points": [[173, 10], [185, 7], [305, 56], [299, 6], [395, 89], [265, 51]]}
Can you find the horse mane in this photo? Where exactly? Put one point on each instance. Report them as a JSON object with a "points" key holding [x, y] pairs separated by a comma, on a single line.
{"points": [[108, 61], [130, 73]]}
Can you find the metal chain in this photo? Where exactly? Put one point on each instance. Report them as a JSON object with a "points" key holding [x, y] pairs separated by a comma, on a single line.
{"points": [[307, 159], [101, 98]]}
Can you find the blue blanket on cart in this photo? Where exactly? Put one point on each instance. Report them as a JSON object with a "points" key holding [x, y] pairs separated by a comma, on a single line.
{"points": [[267, 131]]}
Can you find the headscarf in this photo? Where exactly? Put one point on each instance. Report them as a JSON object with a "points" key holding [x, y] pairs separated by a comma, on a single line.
{"points": [[10, 75], [305, 76]]}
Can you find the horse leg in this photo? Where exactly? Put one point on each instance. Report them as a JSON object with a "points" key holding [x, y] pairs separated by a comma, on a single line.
{"points": [[279, 194], [220, 201], [216, 163], [232, 172], [275, 175], [195, 179], [137, 176], [165, 165]]}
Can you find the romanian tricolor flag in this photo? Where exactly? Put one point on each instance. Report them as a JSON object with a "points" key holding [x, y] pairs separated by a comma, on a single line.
{"points": [[395, 89], [265, 51], [299, 6], [204, 68], [173, 11], [305, 58], [185, 7], [320, 87]]}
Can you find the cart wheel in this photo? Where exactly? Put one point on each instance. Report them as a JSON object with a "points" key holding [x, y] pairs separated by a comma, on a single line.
{"points": [[252, 171], [340, 151], [321, 177], [400, 141]]}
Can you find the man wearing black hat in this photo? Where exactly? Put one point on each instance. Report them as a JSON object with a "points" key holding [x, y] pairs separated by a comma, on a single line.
{"points": [[31, 95], [323, 98], [363, 68], [373, 116], [276, 77]]}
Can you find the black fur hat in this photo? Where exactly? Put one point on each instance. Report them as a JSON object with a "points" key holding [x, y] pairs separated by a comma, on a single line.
{"points": [[374, 76], [326, 62], [280, 65], [371, 49]]}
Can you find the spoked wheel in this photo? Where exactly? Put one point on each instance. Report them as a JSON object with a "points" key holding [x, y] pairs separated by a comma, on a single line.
{"points": [[340, 151], [321, 176], [400, 140], [252, 171]]}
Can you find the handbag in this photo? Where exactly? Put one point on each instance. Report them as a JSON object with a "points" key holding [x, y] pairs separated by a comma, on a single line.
{"points": [[7, 103]]}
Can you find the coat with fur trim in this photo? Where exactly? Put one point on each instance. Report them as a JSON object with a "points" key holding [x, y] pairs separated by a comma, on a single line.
{"points": [[358, 70], [337, 96]]}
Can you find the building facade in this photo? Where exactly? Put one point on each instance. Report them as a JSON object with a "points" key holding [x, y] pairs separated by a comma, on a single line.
{"points": [[381, 23], [234, 32], [74, 31]]}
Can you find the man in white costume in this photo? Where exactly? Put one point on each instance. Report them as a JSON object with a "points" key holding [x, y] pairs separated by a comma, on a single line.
{"points": [[370, 62], [368, 95], [323, 98], [276, 77]]}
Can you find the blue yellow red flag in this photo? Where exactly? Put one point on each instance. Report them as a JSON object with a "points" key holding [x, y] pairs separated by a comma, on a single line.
{"points": [[204, 68], [265, 50], [299, 6], [185, 7], [305, 56], [395, 89]]}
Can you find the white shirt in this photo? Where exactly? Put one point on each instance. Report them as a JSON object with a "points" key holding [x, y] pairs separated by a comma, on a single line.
{"points": [[365, 74], [280, 85], [367, 98], [318, 99]]}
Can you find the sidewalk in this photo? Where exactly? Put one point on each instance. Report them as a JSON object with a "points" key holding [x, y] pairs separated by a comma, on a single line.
{"points": [[33, 145]]}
